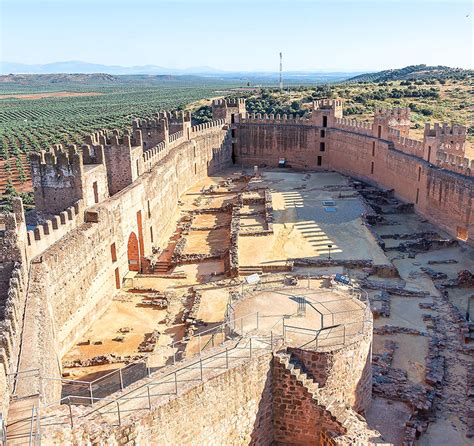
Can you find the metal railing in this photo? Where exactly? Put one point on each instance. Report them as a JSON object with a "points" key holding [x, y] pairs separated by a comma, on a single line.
{"points": [[3, 431], [232, 330], [318, 337], [122, 377], [119, 379], [141, 397]]}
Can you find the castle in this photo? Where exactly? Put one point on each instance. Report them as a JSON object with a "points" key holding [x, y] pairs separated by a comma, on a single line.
{"points": [[101, 207]]}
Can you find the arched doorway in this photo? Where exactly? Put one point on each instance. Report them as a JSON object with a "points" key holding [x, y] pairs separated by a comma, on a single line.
{"points": [[133, 253]]}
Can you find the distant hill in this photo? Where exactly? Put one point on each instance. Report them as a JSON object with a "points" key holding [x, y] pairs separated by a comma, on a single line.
{"points": [[32, 79], [256, 77], [89, 68], [413, 72]]}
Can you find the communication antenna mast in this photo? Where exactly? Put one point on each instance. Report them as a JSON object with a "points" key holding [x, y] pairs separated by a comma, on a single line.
{"points": [[281, 72]]}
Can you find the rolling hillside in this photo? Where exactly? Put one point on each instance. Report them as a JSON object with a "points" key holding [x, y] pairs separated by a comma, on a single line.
{"points": [[414, 72]]}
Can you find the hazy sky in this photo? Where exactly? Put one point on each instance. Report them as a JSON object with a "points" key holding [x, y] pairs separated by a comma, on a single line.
{"points": [[240, 34]]}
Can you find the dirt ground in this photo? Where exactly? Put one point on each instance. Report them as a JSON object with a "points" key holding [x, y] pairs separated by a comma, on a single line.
{"points": [[304, 227], [207, 241], [389, 418], [126, 311]]}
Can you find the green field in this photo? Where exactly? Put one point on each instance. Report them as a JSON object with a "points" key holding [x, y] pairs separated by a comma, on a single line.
{"points": [[33, 124]]}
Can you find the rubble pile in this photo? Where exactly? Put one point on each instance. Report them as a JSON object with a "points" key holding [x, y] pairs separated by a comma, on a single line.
{"points": [[101, 360], [384, 298], [464, 279], [150, 341]]}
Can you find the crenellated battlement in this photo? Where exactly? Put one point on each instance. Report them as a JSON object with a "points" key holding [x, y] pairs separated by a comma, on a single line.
{"points": [[445, 130], [399, 113], [229, 102], [201, 128], [450, 139], [175, 136], [58, 177], [405, 144], [275, 119], [156, 121], [353, 125], [50, 231], [57, 157], [410, 146], [178, 116], [231, 110], [394, 118], [327, 104], [458, 164]]}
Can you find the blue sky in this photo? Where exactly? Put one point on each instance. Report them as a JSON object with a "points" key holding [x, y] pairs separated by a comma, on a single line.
{"points": [[240, 34]]}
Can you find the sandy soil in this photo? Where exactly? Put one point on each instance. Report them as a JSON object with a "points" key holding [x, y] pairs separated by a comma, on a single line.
{"points": [[409, 355], [448, 431], [205, 242], [213, 305], [303, 227], [388, 417], [208, 220], [405, 312], [128, 312]]}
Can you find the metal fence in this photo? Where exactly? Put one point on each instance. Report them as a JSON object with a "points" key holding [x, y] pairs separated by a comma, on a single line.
{"points": [[243, 334], [349, 322], [141, 397]]}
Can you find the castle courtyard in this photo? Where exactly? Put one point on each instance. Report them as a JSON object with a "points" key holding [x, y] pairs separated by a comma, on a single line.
{"points": [[310, 211], [251, 280]]}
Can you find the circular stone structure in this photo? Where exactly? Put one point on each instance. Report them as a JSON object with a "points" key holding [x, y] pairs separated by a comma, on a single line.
{"points": [[327, 330], [316, 318]]}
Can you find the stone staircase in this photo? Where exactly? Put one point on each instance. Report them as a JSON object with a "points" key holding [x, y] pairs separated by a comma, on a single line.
{"points": [[249, 270], [356, 430], [161, 268]]}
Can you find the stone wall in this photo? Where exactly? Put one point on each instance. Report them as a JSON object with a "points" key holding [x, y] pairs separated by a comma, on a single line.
{"points": [[75, 279], [297, 418], [13, 288], [266, 142], [232, 408], [345, 373], [443, 196], [261, 401]]}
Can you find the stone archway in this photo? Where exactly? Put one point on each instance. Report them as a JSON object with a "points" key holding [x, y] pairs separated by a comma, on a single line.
{"points": [[133, 253]]}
